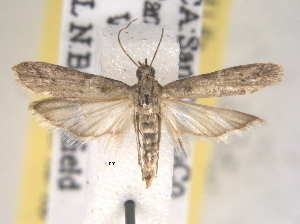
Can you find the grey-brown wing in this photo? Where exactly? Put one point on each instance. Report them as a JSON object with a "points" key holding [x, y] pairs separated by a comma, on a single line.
{"points": [[237, 80], [54, 80]]}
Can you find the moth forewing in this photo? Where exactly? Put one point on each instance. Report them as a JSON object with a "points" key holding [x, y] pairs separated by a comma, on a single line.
{"points": [[54, 80], [238, 80]]}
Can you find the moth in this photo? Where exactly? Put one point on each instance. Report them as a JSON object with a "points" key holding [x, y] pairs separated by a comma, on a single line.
{"points": [[90, 106]]}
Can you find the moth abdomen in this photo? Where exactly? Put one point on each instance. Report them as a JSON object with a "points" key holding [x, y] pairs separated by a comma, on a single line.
{"points": [[149, 128]]}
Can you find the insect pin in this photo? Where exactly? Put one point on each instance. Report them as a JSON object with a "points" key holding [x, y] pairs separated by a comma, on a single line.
{"points": [[80, 103]]}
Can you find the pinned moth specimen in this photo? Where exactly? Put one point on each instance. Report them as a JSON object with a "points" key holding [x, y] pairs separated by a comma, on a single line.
{"points": [[91, 106]]}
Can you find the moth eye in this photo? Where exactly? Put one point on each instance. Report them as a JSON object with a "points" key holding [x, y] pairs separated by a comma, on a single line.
{"points": [[152, 71], [138, 73]]}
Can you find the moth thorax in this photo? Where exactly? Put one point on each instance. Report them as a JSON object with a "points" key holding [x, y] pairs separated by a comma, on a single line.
{"points": [[145, 70]]}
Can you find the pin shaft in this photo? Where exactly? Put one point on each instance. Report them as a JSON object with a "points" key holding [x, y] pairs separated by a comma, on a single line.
{"points": [[129, 212]]}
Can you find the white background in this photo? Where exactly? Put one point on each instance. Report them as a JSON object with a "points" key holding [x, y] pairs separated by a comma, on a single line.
{"points": [[254, 184]]}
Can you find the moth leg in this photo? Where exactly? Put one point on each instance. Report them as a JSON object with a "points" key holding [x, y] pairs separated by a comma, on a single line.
{"points": [[159, 135], [137, 132], [159, 127]]}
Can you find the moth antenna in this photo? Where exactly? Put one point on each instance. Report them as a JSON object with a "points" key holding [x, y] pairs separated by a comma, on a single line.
{"points": [[162, 34], [121, 44]]}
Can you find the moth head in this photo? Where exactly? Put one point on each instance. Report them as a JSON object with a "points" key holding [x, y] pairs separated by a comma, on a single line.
{"points": [[145, 70]]}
